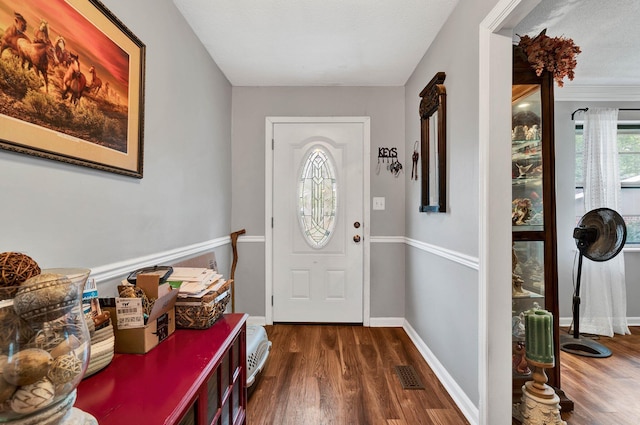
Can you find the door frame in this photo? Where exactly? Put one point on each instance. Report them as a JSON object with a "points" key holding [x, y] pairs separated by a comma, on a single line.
{"points": [[268, 201]]}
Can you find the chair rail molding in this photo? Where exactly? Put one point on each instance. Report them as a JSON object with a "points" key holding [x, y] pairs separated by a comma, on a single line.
{"points": [[123, 268], [457, 257]]}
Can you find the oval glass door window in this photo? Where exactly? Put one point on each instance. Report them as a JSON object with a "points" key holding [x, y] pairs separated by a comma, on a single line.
{"points": [[317, 197]]}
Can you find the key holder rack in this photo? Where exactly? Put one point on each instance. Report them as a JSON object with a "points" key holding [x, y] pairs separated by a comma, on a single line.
{"points": [[390, 157]]}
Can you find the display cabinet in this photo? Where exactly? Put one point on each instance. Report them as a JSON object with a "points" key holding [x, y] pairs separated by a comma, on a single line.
{"points": [[534, 254], [193, 377]]}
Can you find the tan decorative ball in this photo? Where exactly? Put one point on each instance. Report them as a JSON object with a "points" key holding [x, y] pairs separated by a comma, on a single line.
{"points": [[6, 389], [16, 267], [64, 369], [33, 397], [27, 366], [45, 297]]}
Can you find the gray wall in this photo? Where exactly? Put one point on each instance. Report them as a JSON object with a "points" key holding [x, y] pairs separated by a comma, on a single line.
{"points": [[64, 215], [442, 295], [565, 208], [251, 105]]}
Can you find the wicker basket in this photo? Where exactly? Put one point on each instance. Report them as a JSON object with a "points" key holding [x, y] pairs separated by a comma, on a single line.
{"points": [[202, 313]]}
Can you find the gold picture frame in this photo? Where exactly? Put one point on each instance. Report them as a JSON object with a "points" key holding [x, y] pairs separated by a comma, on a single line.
{"points": [[71, 85]]}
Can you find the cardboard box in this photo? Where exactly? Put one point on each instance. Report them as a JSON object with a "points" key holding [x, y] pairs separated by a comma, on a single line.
{"points": [[140, 340]]}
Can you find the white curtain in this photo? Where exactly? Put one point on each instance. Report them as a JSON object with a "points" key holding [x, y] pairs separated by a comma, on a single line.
{"points": [[603, 294]]}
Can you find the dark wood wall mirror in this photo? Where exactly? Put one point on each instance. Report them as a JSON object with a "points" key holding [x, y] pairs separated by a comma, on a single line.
{"points": [[433, 144]]}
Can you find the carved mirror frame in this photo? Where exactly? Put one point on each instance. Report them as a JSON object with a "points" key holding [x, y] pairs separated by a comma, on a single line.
{"points": [[433, 122]]}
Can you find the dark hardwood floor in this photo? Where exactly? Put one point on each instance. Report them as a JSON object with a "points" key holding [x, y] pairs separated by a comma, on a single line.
{"points": [[604, 391], [345, 375]]}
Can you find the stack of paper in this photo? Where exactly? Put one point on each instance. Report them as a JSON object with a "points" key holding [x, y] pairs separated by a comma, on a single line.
{"points": [[196, 282]]}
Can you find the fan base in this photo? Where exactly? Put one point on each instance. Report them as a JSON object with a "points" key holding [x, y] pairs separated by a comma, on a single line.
{"points": [[583, 347]]}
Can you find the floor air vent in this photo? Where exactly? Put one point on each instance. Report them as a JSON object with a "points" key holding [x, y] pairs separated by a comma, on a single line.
{"points": [[409, 378]]}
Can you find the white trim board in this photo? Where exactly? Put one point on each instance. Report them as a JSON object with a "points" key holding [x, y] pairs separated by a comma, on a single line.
{"points": [[123, 268], [597, 93], [251, 239], [468, 409], [386, 322], [457, 257], [388, 239], [256, 320], [494, 244]]}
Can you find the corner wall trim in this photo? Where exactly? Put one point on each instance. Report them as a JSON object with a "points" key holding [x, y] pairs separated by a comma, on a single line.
{"points": [[458, 257], [123, 268], [469, 410]]}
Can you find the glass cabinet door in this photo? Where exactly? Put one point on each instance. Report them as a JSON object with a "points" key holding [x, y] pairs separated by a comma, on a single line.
{"points": [[526, 158], [533, 218]]}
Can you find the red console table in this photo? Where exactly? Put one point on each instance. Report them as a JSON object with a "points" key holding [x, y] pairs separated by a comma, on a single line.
{"points": [[193, 377]]}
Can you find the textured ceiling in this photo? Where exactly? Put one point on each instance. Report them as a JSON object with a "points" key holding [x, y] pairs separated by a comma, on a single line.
{"points": [[379, 42], [607, 32], [316, 42]]}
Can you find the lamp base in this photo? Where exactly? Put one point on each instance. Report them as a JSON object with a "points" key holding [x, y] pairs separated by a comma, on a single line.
{"points": [[540, 405], [583, 347], [534, 410]]}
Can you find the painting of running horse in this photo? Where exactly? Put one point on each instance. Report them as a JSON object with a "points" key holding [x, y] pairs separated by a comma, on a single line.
{"points": [[71, 84]]}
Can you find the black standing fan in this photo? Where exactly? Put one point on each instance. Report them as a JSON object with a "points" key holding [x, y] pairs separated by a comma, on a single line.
{"points": [[600, 236]]}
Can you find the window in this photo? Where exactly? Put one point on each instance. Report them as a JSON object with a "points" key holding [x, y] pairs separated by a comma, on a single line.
{"points": [[317, 197], [629, 161]]}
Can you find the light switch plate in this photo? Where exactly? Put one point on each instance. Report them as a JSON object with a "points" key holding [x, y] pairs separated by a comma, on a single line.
{"points": [[378, 203]]}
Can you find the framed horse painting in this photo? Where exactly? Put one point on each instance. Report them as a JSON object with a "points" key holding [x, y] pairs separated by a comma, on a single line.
{"points": [[71, 84]]}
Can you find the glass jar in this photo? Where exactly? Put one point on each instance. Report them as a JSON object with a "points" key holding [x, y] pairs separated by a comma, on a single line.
{"points": [[44, 346]]}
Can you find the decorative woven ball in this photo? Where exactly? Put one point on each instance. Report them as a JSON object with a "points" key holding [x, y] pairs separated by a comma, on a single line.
{"points": [[45, 297], [15, 268], [64, 369], [13, 329], [70, 343], [135, 292], [33, 397]]}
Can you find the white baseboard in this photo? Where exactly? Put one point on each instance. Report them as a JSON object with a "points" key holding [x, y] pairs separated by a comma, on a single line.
{"points": [[256, 320], [468, 409], [386, 322]]}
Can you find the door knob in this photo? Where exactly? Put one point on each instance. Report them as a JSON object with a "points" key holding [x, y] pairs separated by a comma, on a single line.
{"points": [[356, 224], [356, 238]]}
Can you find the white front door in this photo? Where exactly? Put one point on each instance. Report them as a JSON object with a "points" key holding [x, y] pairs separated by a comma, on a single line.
{"points": [[318, 221]]}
